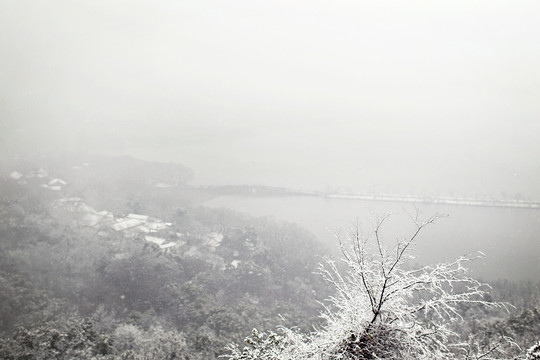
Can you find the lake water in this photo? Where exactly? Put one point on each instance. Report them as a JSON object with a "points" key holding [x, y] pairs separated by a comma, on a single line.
{"points": [[510, 238]]}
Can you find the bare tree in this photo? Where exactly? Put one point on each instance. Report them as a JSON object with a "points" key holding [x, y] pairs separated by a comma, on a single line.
{"points": [[382, 308]]}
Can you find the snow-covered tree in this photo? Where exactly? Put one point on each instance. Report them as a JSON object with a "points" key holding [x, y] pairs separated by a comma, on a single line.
{"points": [[534, 352], [383, 308]]}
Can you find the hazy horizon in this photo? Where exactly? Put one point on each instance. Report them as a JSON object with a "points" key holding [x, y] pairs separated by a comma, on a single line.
{"points": [[417, 97]]}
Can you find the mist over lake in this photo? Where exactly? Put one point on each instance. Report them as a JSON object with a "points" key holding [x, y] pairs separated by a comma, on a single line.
{"points": [[508, 237]]}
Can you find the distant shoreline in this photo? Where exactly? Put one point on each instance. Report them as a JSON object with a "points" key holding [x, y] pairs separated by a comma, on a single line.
{"points": [[439, 200], [265, 191]]}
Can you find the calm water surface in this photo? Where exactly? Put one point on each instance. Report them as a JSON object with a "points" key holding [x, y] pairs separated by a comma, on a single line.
{"points": [[510, 238]]}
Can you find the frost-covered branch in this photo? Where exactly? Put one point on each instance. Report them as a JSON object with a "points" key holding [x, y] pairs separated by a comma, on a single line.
{"points": [[382, 309]]}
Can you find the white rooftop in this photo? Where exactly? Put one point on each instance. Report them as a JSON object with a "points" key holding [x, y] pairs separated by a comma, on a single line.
{"points": [[16, 175], [138, 217], [166, 246], [57, 182], [126, 224], [154, 239]]}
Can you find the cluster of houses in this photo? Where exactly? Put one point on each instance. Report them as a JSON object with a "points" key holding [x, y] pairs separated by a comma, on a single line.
{"points": [[149, 227], [54, 184], [152, 230]]}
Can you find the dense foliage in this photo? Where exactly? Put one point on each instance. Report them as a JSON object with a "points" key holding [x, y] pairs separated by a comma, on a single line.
{"points": [[59, 269], [73, 285]]}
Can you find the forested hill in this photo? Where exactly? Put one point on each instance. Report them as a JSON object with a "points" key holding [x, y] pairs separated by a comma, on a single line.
{"points": [[112, 256]]}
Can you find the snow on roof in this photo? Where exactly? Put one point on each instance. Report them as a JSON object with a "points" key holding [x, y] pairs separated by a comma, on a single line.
{"points": [[158, 225], [57, 182], [55, 188], [125, 224], [154, 239], [16, 175], [106, 213], [143, 229], [92, 218], [138, 217], [168, 245]]}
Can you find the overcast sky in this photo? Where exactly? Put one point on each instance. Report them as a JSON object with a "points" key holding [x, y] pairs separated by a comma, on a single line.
{"points": [[397, 96]]}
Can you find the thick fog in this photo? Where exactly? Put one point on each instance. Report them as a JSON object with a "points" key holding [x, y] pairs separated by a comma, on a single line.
{"points": [[278, 179], [414, 97]]}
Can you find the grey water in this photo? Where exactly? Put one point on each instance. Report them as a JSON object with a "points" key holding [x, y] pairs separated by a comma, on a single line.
{"points": [[508, 237]]}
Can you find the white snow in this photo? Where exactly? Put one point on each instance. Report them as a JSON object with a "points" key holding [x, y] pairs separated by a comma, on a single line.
{"points": [[154, 239], [138, 217], [16, 175], [126, 224], [105, 213], [58, 182], [157, 226], [166, 246]]}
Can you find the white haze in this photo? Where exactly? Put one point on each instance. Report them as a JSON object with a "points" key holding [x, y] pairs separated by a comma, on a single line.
{"points": [[398, 96]]}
